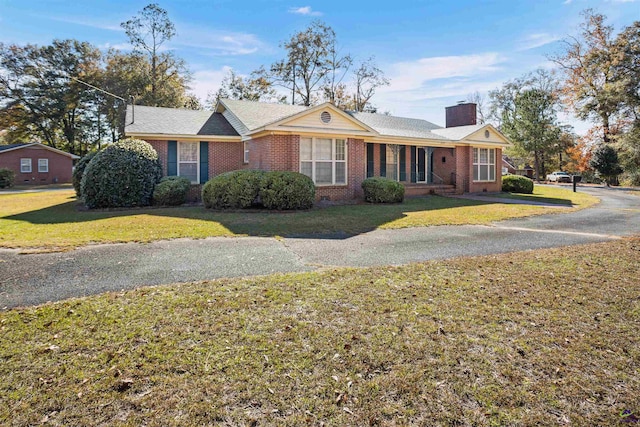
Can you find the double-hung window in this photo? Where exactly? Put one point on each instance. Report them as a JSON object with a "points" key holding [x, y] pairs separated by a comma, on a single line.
{"points": [[43, 165], [245, 147], [188, 153], [392, 162], [324, 160], [25, 165], [484, 164]]}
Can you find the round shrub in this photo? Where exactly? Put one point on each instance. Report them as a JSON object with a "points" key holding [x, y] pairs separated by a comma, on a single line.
{"points": [[122, 175], [7, 178], [287, 190], [171, 191], [382, 190], [78, 171], [232, 190], [517, 184]]}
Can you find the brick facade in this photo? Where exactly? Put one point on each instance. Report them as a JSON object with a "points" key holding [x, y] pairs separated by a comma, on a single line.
{"points": [[60, 166], [282, 153]]}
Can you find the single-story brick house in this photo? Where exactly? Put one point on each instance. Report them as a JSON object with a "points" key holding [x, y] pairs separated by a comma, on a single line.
{"points": [[35, 163], [337, 149]]}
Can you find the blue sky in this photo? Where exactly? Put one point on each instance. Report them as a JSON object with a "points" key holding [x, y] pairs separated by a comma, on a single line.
{"points": [[435, 53]]}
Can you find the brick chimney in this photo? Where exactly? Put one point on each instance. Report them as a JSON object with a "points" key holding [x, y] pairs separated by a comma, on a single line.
{"points": [[462, 114]]}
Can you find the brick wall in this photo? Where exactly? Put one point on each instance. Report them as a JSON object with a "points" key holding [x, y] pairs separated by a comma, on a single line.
{"points": [[60, 166], [443, 164], [161, 148], [464, 168], [225, 157]]}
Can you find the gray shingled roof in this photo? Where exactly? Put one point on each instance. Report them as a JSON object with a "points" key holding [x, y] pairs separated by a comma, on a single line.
{"points": [[459, 132], [174, 121], [254, 115], [7, 147], [399, 126]]}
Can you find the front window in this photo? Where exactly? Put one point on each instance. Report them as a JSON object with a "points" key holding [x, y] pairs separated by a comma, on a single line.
{"points": [[25, 165], [246, 151], [43, 165], [324, 160], [484, 164], [188, 161], [392, 161]]}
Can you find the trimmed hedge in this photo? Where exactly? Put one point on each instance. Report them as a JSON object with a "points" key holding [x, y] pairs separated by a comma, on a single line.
{"points": [[233, 190], [122, 175], [250, 188], [287, 190], [382, 190], [517, 184], [7, 178], [78, 171], [171, 191]]}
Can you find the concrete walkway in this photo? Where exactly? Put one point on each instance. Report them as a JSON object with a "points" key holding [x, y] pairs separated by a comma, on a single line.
{"points": [[38, 278]]}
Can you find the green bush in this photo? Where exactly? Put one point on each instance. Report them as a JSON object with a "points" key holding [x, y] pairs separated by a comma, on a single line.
{"points": [[122, 175], [7, 178], [232, 190], [78, 171], [287, 190], [517, 184], [171, 191], [382, 190]]}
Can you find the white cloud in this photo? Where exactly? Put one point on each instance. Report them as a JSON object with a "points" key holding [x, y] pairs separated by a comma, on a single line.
{"points": [[205, 82], [305, 10], [414, 75], [533, 41], [217, 42], [86, 22]]}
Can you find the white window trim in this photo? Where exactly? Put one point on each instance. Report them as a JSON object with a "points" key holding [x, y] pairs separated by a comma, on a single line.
{"points": [[22, 166], [197, 162], [245, 148], [396, 156], [333, 162], [46, 166], [492, 166]]}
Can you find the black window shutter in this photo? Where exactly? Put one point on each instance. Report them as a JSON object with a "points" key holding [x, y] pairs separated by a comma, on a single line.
{"points": [[403, 163], [413, 163], [383, 160], [172, 158], [204, 162], [370, 162]]}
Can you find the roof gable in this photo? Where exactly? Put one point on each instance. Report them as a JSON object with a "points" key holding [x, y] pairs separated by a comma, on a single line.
{"points": [[11, 147], [324, 117], [483, 133], [175, 121], [253, 115]]}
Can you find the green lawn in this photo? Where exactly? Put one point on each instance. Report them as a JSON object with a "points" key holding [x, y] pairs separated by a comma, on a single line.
{"points": [[554, 195], [53, 220], [534, 338]]}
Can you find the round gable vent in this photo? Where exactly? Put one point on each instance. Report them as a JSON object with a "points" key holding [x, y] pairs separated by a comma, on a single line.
{"points": [[487, 134], [325, 116]]}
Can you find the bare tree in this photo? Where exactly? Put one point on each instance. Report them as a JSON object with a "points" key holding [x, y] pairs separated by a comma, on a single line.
{"points": [[367, 79]]}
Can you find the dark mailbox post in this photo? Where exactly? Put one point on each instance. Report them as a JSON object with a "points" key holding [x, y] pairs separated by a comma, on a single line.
{"points": [[575, 179]]}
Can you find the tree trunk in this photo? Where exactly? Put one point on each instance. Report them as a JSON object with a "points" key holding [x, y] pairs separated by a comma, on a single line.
{"points": [[536, 165]]}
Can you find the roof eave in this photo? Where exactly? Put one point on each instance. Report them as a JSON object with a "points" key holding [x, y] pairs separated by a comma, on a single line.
{"points": [[168, 136]]}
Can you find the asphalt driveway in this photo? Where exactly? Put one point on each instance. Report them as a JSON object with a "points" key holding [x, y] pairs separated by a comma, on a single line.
{"points": [[38, 278]]}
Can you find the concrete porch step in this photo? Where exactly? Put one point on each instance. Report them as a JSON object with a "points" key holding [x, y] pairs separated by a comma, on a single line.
{"points": [[411, 190]]}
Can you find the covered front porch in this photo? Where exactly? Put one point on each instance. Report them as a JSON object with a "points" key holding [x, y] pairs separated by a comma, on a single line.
{"points": [[423, 170]]}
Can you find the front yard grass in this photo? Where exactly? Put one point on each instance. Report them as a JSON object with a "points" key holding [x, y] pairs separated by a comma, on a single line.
{"points": [[533, 338], [553, 195], [51, 220]]}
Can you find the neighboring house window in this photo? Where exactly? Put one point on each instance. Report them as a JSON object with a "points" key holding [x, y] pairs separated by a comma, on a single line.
{"points": [[392, 161], [188, 154], [484, 164], [25, 165], [43, 165], [324, 160], [246, 151]]}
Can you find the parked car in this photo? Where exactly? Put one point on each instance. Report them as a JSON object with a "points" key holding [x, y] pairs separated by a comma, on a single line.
{"points": [[559, 176]]}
